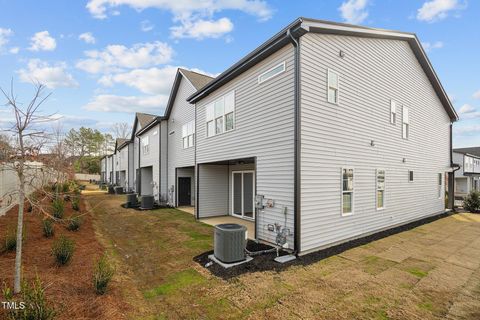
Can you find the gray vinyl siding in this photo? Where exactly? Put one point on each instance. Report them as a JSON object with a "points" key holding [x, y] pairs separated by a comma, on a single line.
{"points": [[131, 168], [372, 72], [213, 190], [152, 158], [164, 159], [136, 147], [182, 113], [264, 128]]}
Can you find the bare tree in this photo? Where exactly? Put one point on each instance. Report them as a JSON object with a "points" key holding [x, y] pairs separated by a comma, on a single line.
{"points": [[29, 139], [121, 130]]}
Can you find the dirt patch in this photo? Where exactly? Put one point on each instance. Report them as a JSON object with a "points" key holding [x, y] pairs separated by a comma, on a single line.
{"points": [[69, 288]]}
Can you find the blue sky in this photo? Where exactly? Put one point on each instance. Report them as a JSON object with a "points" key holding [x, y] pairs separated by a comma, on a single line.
{"points": [[105, 59]]}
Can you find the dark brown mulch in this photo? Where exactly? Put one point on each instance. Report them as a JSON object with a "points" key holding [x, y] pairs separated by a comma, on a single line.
{"points": [[266, 262], [69, 288]]}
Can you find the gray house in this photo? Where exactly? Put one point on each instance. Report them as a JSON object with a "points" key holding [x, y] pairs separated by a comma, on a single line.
{"points": [[121, 162], [467, 177], [327, 132], [180, 119]]}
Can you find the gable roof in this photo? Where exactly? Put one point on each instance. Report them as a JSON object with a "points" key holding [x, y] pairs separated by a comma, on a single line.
{"points": [[470, 150], [301, 26], [143, 119], [120, 143], [197, 80]]}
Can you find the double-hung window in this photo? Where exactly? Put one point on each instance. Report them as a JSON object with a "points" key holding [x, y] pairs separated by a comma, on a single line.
{"points": [[393, 112], [188, 134], [405, 123], [347, 191], [220, 115], [380, 189], [332, 86], [145, 145]]}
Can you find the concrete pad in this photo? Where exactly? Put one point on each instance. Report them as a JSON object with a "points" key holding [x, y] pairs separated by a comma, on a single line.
{"points": [[229, 265], [213, 221], [188, 209]]}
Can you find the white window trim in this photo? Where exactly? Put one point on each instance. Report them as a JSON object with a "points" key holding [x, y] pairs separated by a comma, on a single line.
{"points": [[283, 64], [338, 86], [405, 121], [341, 192], [393, 110], [384, 188], [223, 117], [187, 135]]}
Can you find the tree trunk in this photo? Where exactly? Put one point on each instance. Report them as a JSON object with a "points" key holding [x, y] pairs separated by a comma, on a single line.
{"points": [[18, 256]]}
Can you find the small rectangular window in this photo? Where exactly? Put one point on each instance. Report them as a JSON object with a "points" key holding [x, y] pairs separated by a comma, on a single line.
{"points": [[440, 185], [410, 176], [405, 124], [188, 134], [332, 86], [347, 191], [210, 128], [380, 189], [145, 145], [393, 112], [270, 73]]}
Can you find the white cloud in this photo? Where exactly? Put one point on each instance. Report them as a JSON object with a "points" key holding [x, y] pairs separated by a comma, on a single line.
{"points": [[113, 103], [146, 26], [87, 37], [200, 29], [14, 50], [188, 13], [354, 11], [435, 10], [53, 76], [466, 108], [151, 81], [476, 95], [5, 35], [468, 112], [467, 130], [114, 58], [429, 46], [42, 41]]}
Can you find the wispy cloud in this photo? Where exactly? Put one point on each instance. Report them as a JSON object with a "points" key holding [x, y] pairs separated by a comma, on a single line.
{"points": [[42, 41], [52, 76], [468, 112], [146, 26], [476, 95], [354, 11], [201, 29], [435, 10], [131, 104], [87, 37], [429, 46]]}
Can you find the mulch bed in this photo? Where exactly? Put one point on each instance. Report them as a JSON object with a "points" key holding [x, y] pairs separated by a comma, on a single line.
{"points": [[68, 288], [266, 263]]}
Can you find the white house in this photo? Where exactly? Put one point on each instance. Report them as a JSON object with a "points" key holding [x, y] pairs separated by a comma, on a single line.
{"points": [[327, 132], [467, 178]]}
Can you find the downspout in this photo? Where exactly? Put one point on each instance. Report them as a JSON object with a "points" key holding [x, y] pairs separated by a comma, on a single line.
{"points": [[451, 177], [296, 102], [159, 160], [197, 169], [139, 178]]}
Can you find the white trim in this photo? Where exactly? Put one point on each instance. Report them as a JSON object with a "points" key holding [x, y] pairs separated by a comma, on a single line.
{"points": [[208, 119], [384, 188], [393, 111], [352, 192], [283, 64], [337, 88], [242, 216]]}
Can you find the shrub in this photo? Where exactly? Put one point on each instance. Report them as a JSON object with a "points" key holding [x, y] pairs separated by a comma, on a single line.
{"points": [[48, 228], [33, 297], [11, 240], [74, 223], [66, 186], [76, 203], [62, 250], [102, 274], [472, 201], [58, 207]]}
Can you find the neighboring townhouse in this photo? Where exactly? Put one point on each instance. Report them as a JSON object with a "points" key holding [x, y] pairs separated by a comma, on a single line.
{"points": [[141, 121], [109, 165], [328, 132], [467, 177], [103, 169], [121, 151], [180, 117]]}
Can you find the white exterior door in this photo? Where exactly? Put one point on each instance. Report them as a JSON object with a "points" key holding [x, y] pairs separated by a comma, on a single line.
{"points": [[243, 194]]}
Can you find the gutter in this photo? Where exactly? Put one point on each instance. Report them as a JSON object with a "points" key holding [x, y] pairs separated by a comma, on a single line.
{"points": [[159, 161], [296, 183]]}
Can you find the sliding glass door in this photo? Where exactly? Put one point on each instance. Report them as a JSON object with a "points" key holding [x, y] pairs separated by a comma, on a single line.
{"points": [[243, 194]]}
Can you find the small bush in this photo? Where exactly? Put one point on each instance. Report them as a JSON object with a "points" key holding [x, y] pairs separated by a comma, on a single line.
{"points": [[58, 207], [62, 250], [74, 223], [102, 274], [48, 227], [66, 186], [76, 203], [33, 298], [472, 201], [11, 240]]}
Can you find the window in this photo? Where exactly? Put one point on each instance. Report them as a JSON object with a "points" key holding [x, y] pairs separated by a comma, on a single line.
{"points": [[347, 191], [393, 112], [221, 115], [145, 145], [188, 134], [380, 188], [440, 189], [405, 124], [410, 176], [270, 73], [332, 87]]}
